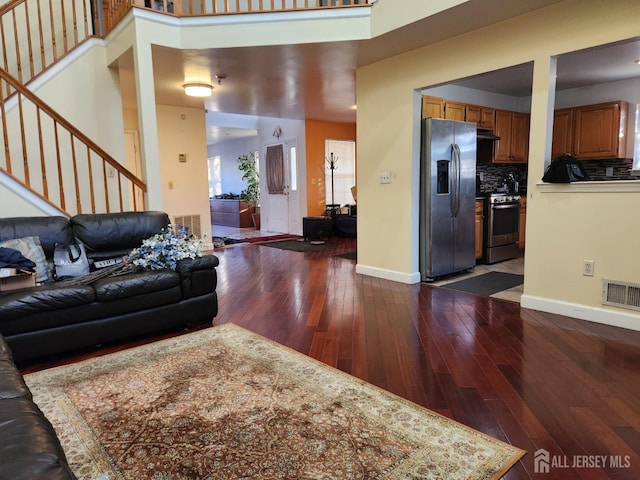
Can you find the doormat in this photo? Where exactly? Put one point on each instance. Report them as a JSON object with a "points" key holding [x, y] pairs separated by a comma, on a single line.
{"points": [[219, 242], [225, 403], [283, 236], [348, 255], [488, 283], [297, 245]]}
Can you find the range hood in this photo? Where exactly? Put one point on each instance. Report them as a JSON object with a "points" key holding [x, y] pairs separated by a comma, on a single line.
{"points": [[486, 134]]}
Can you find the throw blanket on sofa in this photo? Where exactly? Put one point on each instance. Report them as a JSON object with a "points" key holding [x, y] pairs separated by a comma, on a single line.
{"points": [[10, 258]]}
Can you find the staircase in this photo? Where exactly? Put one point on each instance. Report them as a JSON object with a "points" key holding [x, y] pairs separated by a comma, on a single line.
{"points": [[46, 157]]}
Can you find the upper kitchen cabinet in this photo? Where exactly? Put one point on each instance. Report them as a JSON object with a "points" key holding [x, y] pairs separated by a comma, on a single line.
{"points": [[591, 131], [484, 117], [562, 142], [432, 107], [601, 131], [513, 130], [487, 117], [455, 111]]}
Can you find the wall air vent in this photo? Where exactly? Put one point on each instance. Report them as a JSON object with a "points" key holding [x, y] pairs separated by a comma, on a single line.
{"points": [[192, 222], [621, 294]]}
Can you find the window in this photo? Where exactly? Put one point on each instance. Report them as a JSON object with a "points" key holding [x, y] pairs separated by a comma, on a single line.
{"points": [[293, 165], [344, 173], [214, 173]]}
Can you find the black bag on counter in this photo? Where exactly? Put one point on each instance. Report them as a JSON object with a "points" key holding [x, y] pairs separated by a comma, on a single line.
{"points": [[565, 169]]}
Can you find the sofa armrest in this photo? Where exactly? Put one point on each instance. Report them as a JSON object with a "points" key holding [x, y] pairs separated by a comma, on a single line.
{"points": [[198, 276]]}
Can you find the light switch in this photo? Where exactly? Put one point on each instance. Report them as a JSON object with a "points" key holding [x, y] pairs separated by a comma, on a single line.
{"points": [[182, 158]]}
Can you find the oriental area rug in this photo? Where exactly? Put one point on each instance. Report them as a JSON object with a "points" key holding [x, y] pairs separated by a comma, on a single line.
{"points": [[225, 403]]}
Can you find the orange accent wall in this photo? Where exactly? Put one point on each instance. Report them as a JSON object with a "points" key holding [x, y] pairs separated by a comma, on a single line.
{"points": [[316, 133]]}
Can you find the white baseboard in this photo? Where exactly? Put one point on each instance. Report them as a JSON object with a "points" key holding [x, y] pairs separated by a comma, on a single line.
{"points": [[401, 277], [605, 316]]}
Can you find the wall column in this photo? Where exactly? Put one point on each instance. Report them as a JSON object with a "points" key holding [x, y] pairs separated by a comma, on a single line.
{"points": [[543, 99], [148, 123]]}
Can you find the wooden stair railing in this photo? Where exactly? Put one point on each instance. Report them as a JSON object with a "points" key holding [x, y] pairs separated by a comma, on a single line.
{"points": [[114, 10], [35, 34], [47, 154]]}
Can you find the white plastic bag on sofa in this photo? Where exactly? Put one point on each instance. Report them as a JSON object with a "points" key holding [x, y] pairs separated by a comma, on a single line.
{"points": [[70, 261]]}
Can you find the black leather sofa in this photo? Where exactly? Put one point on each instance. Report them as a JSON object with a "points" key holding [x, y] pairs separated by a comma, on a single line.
{"points": [[29, 447], [51, 318]]}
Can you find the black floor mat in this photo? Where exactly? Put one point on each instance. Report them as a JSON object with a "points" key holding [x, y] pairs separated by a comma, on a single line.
{"points": [[488, 283], [348, 255], [297, 245]]}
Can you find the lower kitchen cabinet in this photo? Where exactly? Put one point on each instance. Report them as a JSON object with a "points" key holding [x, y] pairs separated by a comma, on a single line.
{"points": [[523, 222], [479, 227]]}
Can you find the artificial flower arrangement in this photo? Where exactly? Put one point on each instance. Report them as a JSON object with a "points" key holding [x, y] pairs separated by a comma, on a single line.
{"points": [[164, 249]]}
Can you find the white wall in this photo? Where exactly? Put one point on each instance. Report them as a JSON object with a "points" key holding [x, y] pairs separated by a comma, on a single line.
{"points": [[625, 90], [229, 152], [83, 92], [185, 189]]}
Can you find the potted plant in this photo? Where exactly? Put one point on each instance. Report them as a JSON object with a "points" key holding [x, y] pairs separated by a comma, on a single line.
{"points": [[249, 167]]}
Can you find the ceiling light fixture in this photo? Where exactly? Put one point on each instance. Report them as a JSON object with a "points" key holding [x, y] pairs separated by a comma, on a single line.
{"points": [[198, 89]]}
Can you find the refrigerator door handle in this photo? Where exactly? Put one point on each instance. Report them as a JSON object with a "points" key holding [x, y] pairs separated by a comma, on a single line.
{"points": [[455, 180]]}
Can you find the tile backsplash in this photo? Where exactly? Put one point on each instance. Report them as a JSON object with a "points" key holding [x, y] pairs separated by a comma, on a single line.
{"points": [[492, 174], [597, 169]]}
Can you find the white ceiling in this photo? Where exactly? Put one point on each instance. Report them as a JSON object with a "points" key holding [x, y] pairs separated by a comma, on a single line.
{"points": [[317, 81]]}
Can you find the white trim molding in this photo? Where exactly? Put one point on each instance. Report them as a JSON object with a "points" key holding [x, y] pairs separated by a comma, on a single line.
{"points": [[613, 186], [615, 318], [401, 277]]}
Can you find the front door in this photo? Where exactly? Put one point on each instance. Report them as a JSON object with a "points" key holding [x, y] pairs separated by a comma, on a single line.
{"points": [[280, 209], [274, 198]]}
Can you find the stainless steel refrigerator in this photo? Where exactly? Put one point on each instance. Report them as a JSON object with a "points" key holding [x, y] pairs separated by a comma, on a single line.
{"points": [[447, 197]]}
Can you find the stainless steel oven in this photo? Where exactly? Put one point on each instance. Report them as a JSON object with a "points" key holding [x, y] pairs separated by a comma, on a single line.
{"points": [[502, 227]]}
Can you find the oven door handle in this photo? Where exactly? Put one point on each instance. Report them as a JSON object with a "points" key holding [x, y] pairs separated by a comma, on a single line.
{"points": [[505, 207]]}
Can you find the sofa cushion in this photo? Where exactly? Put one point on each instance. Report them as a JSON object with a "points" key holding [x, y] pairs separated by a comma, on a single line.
{"points": [[142, 282], [50, 230], [29, 446], [31, 248], [11, 382], [115, 234], [17, 304]]}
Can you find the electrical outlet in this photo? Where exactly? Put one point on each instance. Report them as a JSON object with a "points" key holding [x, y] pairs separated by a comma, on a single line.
{"points": [[609, 172], [588, 267], [385, 177]]}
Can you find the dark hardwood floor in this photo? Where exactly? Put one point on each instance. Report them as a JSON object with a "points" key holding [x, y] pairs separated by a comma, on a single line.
{"points": [[536, 380]]}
